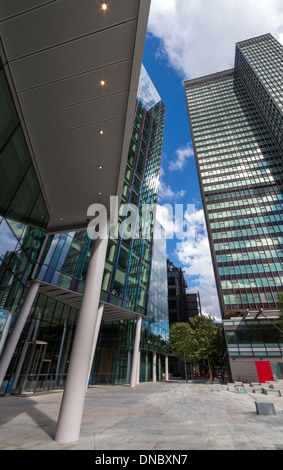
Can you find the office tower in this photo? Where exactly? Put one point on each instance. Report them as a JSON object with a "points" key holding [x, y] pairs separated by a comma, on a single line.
{"points": [[193, 305], [236, 120], [176, 294], [181, 306]]}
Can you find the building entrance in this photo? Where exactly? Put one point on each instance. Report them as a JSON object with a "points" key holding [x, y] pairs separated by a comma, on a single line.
{"points": [[32, 374]]}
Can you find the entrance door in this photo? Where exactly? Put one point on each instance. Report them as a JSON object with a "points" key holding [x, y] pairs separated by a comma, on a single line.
{"points": [[28, 374], [105, 366], [264, 371]]}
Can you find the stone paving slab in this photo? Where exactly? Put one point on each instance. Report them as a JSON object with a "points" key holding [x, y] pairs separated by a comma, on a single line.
{"points": [[172, 415]]}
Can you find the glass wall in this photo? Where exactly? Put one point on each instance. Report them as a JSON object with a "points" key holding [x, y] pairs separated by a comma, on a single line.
{"points": [[20, 197], [19, 249], [253, 338], [259, 62], [155, 329], [65, 260], [128, 259], [41, 359]]}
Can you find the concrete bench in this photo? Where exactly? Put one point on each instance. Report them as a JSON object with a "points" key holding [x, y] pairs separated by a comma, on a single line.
{"points": [[231, 388], [217, 387], [264, 408], [276, 385], [267, 391]]}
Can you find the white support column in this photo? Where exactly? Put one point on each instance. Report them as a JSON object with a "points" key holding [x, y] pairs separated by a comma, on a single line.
{"points": [[96, 333], [13, 339], [136, 353], [138, 368], [70, 416], [166, 368], [5, 332], [154, 367]]}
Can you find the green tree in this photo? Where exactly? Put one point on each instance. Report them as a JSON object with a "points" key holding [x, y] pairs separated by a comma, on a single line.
{"points": [[205, 342], [179, 342]]}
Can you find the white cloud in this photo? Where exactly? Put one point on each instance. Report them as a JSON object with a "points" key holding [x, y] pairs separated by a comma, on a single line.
{"points": [[182, 154], [166, 220], [169, 218], [195, 257], [199, 36], [165, 192]]}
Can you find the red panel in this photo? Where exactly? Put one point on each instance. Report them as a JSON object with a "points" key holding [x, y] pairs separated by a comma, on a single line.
{"points": [[264, 371]]}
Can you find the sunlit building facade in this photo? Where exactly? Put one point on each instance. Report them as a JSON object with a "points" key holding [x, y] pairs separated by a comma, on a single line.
{"points": [[155, 328], [236, 121]]}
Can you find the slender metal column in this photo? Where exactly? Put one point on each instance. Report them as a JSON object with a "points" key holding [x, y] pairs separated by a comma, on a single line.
{"points": [[60, 354], [136, 353], [96, 333], [154, 367], [13, 339], [166, 368], [128, 367], [70, 416]]}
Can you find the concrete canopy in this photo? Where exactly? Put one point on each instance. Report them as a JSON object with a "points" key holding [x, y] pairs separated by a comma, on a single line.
{"points": [[55, 54], [111, 312]]}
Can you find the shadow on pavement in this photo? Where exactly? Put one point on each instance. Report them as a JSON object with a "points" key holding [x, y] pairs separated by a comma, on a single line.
{"points": [[29, 407]]}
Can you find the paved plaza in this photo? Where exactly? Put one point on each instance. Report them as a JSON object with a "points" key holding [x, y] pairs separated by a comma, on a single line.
{"points": [[159, 416]]}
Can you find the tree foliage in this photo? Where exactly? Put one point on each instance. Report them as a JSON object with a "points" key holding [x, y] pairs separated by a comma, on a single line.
{"points": [[197, 340], [205, 343], [179, 342]]}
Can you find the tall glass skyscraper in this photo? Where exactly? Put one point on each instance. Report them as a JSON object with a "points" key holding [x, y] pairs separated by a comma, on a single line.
{"points": [[236, 122]]}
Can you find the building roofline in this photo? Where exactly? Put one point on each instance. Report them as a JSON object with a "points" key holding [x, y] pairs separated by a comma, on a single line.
{"points": [[208, 78], [255, 40]]}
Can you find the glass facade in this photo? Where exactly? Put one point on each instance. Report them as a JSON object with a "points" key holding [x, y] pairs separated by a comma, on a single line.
{"points": [[130, 262], [20, 197], [20, 245], [128, 259], [155, 329], [259, 63], [235, 119], [41, 359], [255, 338], [19, 248]]}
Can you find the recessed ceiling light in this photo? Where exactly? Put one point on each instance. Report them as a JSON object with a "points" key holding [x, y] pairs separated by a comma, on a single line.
{"points": [[99, 192], [102, 82], [61, 218], [100, 167], [101, 131], [104, 6]]}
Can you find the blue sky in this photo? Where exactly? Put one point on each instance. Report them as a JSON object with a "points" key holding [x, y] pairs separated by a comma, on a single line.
{"points": [[188, 40]]}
